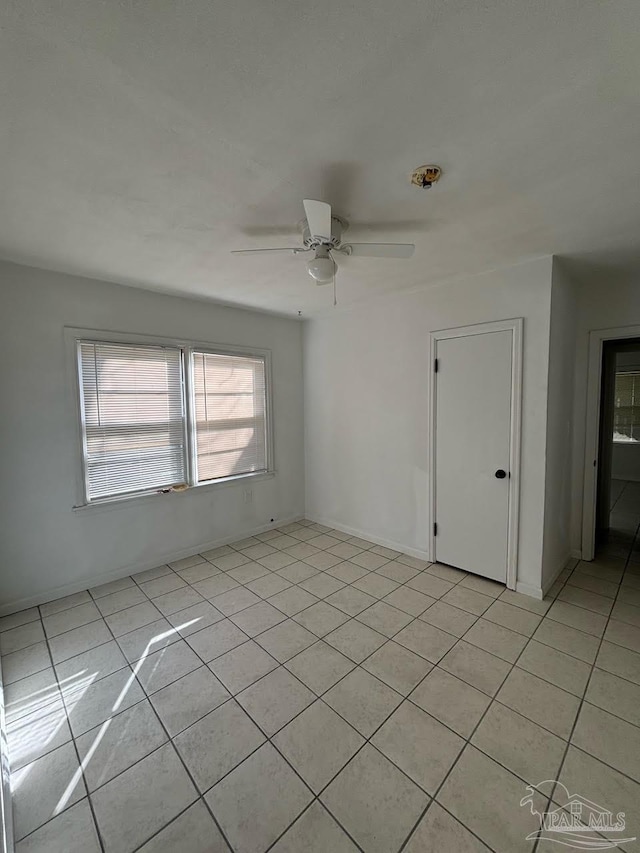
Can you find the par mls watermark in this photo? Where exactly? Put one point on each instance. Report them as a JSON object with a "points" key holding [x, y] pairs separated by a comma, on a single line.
{"points": [[576, 821]]}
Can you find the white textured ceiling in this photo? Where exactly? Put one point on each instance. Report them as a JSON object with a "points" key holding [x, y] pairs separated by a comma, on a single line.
{"points": [[140, 141]]}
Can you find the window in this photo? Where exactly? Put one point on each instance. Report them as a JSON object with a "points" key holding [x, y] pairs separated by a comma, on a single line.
{"points": [[230, 415], [626, 407], [133, 418], [160, 416]]}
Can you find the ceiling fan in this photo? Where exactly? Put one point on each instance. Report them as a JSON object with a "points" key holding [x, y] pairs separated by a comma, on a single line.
{"points": [[322, 234]]}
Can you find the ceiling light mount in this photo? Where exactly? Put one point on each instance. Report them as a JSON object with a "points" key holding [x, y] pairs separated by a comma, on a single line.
{"points": [[426, 176]]}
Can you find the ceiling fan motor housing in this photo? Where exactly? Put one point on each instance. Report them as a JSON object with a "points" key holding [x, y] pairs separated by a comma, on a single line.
{"points": [[338, 226]]}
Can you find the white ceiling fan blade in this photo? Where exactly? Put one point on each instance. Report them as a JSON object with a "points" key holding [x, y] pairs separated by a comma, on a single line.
{"points": [[252, 251], [318, 215], [380, 250]]}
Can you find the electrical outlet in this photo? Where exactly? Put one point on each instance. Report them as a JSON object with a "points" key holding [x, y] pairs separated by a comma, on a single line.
{"points": [[247, 496]]}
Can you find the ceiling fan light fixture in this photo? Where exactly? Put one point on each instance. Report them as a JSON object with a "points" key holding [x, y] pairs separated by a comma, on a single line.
{"points": [[322, 234], [322, 268]]}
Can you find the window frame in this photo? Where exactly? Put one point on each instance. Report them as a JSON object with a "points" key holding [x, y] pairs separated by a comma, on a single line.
{"points": [[190, 419], [75, 336]]}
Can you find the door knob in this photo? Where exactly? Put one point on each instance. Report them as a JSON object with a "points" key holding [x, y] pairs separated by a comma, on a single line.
{"points": [[500, 474]]}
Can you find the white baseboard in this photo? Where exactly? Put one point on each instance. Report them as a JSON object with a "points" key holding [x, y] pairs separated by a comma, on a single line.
{"points": [[134, 568], [6, 815], [566, 563], [540, 592], [524, 588], [529, 589], [365, 534]]}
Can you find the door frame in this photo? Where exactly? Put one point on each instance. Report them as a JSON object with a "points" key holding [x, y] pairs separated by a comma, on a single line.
{"points": [[597, 338], [515, 326]]}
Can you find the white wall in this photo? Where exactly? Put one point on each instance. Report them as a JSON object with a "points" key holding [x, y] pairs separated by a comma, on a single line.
{"points": [[366, 407], [46, 548], [562, 344], [602, 304]]}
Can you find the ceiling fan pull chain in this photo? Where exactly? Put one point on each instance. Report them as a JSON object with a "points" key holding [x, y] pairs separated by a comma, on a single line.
{"points": [[335, 299]]}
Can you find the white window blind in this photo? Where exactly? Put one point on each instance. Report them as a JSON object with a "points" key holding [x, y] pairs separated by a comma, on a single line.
{"points": [[626, 412], [230, 415], [133, 417]]}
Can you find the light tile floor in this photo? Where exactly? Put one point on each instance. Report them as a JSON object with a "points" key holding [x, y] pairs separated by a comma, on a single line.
{"points": [[304, 690]]}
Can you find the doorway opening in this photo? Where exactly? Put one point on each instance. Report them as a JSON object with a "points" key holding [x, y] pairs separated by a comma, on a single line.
{"points": [[618, 476]]}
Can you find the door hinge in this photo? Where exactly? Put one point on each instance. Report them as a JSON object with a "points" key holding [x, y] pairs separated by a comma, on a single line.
{"points": [[435, 529], [435, 366]]}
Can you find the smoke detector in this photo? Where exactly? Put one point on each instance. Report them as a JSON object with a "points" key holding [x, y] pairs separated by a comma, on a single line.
{"points": [[426, 176]]}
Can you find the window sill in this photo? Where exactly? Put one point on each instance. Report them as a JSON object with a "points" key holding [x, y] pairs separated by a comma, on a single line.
{"points": [[126, 501]]}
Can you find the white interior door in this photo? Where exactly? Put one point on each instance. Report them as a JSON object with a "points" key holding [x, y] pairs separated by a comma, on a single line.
{"points": [[473, 389]]}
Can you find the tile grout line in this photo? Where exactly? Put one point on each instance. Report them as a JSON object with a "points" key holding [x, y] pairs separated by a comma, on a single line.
{"points": [[274, 735], [593, 667], [169, 741], [270, 738], [468, 740], [314, 800], [137, 584], [403, 699], [559, 770], [270, 571], [175, 750], [176, 818], [147, 695], [318, 697], [129, 665], [466, 744], [494, 699], [349, 618], [77, 753]]}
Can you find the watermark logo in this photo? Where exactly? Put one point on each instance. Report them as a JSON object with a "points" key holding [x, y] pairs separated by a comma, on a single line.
{"points": [[576, 822]]}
